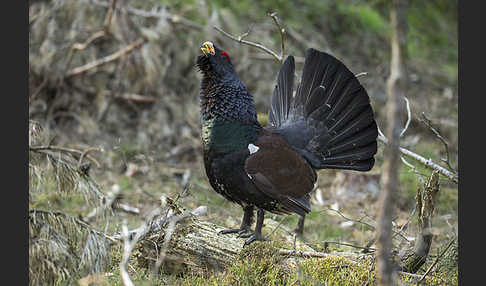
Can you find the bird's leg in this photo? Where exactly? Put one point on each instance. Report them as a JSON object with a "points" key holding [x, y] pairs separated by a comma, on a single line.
{"points": [[299, 229], [245, 228], [258, 229]]}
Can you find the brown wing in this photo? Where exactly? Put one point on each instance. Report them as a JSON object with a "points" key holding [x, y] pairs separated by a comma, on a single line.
{"points": [[280, 172]]}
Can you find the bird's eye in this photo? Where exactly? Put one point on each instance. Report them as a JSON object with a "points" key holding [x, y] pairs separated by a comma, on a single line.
{"points": [[226, 55]]}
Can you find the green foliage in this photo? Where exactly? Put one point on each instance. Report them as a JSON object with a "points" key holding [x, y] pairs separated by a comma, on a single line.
{"points": [[431, 37], [363, 17]]}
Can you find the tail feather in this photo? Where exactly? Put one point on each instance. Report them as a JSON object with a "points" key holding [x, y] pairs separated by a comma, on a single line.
{"points": [[282, 95], [329, 120]]}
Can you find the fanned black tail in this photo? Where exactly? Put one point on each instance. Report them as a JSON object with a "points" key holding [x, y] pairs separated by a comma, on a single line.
{"points": [[329, 120]]}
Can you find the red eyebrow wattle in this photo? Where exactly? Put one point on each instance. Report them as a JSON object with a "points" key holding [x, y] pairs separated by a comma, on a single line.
{"points": [[225, 54]]}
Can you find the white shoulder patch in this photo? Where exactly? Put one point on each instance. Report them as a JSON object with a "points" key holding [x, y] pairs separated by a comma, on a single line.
{"points": [[253, 148]]}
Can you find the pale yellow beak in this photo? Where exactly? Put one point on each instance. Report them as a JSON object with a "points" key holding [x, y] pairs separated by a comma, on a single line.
{"points": [[207, 48]]}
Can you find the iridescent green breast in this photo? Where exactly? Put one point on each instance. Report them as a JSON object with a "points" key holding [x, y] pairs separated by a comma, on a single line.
{"points": [[224, 137]]}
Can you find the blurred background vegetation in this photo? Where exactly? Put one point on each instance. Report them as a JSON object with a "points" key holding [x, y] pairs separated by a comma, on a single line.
{"points": [[141, 109]]}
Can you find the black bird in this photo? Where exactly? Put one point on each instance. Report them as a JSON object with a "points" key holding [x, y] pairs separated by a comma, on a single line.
{"points": [[327, 124]]}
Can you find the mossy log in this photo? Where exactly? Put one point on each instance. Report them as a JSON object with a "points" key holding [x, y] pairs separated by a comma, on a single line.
{"points": [[182, 242], [195, 245]]}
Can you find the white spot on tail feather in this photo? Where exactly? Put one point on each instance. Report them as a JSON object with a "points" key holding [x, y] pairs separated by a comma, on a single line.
{"points": [[253, 148]]}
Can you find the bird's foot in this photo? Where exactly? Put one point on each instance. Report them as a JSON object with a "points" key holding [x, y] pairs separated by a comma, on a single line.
{"points": [[242, 232], [230, 230], [254, 237]]}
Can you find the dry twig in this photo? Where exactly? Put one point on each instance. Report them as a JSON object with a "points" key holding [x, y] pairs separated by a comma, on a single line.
{"points": [[96, 63], [281, 31], [436, 260], [428, 123], [252, 44], [82, 154], [409, 117]]}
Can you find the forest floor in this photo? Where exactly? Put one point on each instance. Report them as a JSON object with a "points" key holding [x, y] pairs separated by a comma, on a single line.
{"points": [[342, 220]]}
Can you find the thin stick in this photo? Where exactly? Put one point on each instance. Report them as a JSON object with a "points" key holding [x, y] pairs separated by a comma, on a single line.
{"points": [[255, 45], [130, 239], [127, 250], [306, 254], [362, 222], [351, 245], [409, 114], [85, 153], [109, 15], [298, 253], [63, 149], [176, 19], [436, 260], [428, 123], [96, 63], [110, 199], [413, 169], [281, 31], [426, 162]]}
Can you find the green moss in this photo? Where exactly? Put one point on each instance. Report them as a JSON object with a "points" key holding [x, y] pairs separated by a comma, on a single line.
{"points": [[258, 264], [335, 271]]}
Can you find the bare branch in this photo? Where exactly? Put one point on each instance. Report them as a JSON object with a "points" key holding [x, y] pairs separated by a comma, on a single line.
{"points": [[409, 117], [351, 245], [361, 74], [426, 162], [109, 200], [109, 15], [414, 170], [428, 123], [307, 254], [175, 19], [281, 31], [130, 239], [362, 222], [127, 250], [66, 150], [89, 66], [252, 44]]}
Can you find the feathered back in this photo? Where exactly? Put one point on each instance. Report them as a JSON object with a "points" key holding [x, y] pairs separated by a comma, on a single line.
{"points": [[329, 120]]}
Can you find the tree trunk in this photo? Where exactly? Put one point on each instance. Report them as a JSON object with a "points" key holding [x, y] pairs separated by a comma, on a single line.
{"points": [[396, 89]]}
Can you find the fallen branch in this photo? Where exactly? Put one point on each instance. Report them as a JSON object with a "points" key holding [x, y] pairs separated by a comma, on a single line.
{"points": [[307, 254], [96, 63], [67, 150], [129, 242]]}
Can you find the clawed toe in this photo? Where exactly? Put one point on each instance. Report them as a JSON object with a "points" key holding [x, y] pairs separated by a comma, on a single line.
{"points": [[254, 237], [244, 233], [231, 230]]}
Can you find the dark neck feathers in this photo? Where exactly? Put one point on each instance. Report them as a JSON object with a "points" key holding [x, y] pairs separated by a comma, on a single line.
{"points": [[226, 99]]}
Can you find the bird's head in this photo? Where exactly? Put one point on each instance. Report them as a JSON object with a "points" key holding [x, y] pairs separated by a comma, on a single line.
{"points": [[214, 61]]}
